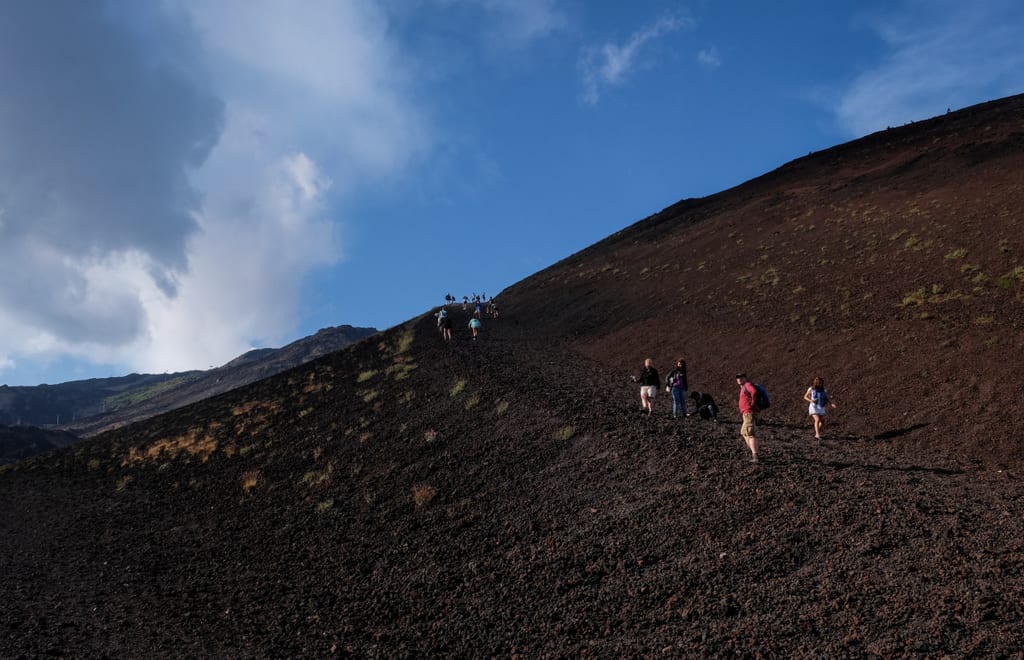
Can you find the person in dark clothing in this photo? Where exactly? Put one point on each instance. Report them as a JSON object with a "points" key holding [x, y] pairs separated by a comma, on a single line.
{"points": [[676, 384], [649, 383], [705, 405]]}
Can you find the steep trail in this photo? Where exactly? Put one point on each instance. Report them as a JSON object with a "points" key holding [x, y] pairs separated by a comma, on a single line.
{"points": [[503, 496]]}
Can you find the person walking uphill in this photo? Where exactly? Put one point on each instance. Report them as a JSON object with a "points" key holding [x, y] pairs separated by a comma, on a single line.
{"points": [[676, 384], [475, 325], [747, 409], [649, 383]]}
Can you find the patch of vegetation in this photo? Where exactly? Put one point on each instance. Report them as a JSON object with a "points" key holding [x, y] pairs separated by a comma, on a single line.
{"points": [[984, 320], [501, 407], [325, 506], [959, 253], [565, 432], [1010, 279], [305, 411], [457, 388], [123, 482], [423, 494], [317, 477], [94, 464], [198, 442], [370, 395], [249, 479], [472, 401], [914, 298], [401, 370], [405, 341], [366, 375], [137, 396]]}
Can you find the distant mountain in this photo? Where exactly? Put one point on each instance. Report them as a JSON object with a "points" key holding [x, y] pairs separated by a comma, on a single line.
{"points": [[18, 442], [87, 407]]}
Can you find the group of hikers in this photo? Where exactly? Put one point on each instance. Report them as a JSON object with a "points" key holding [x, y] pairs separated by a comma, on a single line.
{"points": [[752, 399], [480, 306]]}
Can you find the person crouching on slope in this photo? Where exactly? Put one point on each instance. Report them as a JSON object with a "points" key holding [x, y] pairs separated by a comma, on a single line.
{"points": [[747, 410], [649, 383], [474, 325]]}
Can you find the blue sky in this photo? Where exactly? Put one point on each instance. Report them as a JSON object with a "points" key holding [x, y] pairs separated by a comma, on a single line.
{"points": [[182, 180]]}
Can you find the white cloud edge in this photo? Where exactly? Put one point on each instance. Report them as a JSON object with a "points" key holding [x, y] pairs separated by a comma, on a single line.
{"points": [[610, 64]]}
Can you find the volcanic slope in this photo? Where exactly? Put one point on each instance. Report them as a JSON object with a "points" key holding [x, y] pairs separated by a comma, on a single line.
{"points": [[408, 497], [892, 266]]}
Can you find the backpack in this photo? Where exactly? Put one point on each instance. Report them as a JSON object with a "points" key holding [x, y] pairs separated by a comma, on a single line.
{"points": [[761, 400]]}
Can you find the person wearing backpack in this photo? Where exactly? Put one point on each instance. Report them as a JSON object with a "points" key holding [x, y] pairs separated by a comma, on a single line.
{"points": [[748, 406], [676, 384], [818, 404]]}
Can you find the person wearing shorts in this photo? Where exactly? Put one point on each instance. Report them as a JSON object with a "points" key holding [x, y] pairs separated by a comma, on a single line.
{"points": [[747, 410], [649, 383]]}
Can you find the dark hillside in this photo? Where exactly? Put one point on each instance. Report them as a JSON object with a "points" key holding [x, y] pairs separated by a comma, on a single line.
{"points": [[893, 266], [18, 442], [405, 497], [501, 497]]}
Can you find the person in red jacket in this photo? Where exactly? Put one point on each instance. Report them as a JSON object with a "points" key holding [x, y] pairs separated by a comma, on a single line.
{"points": [[747, 410]]}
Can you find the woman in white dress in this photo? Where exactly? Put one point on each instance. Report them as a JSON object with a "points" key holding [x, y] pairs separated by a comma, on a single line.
{"points": [[818, 403]]}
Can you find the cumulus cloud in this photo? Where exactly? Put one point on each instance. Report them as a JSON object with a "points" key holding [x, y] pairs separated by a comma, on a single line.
{"points": [[96, 145], [940, 54], [611, 64], [169, 175]]}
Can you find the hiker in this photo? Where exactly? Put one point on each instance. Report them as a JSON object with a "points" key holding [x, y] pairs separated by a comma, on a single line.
{"points": [[475, 325], [748, 393], [818, 403], [649, 382], [705, 406], [446, 327], [465, 301], [476, 309], [494, 309], [676, 384]]}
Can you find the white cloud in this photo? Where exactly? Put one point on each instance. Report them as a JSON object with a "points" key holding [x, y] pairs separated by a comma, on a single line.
{"points": [[709, 58], [941, 54], [166, 193], [611, 64]]}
